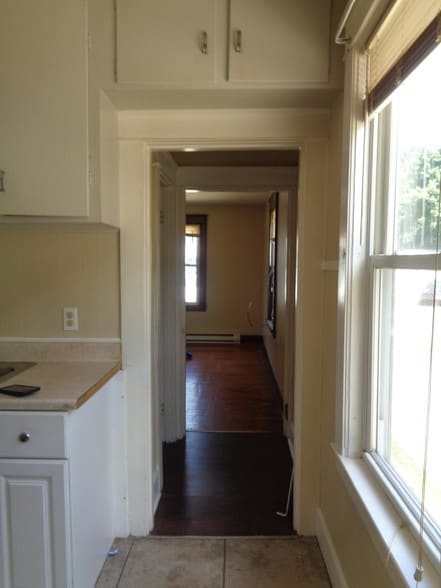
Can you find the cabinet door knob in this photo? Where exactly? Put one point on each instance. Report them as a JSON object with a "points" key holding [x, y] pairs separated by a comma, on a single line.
{"points": [[204, 43], [24, 437], [238, 41]]}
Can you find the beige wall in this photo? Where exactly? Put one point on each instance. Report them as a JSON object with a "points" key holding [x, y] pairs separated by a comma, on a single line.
{"points": [[43, 270], [361, 563], [275, 346], [235, 275]]}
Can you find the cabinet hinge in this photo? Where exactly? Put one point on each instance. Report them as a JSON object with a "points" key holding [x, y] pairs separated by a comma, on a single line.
{"points": [[161, 217], [90, 177]]}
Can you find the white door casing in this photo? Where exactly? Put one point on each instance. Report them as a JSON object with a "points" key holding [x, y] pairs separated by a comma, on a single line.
{"points": [[142, 132]]}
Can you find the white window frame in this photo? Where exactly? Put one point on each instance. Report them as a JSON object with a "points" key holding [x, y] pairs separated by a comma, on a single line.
{"points": [[382, 206], [387, 517]]}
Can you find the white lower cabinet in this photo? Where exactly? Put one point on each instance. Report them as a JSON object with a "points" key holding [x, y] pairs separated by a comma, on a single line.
{"points": [[62, 491], [34, 524]]}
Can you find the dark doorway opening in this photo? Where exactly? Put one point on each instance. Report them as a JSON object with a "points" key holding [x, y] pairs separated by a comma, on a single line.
{"points": [[231, 473]]}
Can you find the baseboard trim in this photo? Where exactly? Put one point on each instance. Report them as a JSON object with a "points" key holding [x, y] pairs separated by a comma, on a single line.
{"points": [[212, 338], [329, 553]]}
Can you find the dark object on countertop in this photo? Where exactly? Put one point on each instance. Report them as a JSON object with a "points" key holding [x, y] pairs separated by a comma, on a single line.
{"points": [[19, 390], [188, 354]]}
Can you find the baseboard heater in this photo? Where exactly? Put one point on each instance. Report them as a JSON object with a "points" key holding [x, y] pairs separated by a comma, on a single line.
{"points": [[213, 338]]}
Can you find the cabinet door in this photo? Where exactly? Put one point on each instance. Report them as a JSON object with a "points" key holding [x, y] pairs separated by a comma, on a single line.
{"points": [[162, 42], [281, 40], [43, 107], [34, 540]]}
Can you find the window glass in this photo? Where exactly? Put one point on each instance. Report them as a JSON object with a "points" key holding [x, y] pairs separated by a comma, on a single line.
{"points": [[195, 261], [418, 156], [403, 347], [191, 284], [406, 295], [191, 249]]}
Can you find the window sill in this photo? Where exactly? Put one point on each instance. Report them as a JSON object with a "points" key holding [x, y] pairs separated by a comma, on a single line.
{"points": [[387, 529]]}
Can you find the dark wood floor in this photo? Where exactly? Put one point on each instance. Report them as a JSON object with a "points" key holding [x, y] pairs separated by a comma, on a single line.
{"points": [[227, 483], [232, 388]]}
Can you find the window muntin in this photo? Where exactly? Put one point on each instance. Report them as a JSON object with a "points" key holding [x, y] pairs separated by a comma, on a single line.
{"points": [[195, 262], [405, 178]]}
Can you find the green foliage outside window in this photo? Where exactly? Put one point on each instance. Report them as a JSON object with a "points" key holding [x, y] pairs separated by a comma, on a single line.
{"points": [[419, 193]]}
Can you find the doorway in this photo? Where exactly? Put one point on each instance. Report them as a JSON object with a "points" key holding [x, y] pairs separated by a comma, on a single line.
{"points": [[139, 135], [221, 182]]}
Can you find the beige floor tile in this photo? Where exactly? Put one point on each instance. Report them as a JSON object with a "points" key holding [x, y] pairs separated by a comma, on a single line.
{"points": [[174, 563], [274, 563], [114, 566]]}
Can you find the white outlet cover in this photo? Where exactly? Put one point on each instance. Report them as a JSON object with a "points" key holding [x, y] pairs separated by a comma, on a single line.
{"points": [[70, 319]]}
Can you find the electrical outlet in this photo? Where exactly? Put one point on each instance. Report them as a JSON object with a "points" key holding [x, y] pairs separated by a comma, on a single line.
{"points": [[70, 319]]}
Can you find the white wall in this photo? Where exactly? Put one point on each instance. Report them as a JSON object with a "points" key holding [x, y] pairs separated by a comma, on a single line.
{"points": [[46, 269], [235, 269]]}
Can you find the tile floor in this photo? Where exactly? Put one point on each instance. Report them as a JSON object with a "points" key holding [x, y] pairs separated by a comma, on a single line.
{"points": [[164, 562]]}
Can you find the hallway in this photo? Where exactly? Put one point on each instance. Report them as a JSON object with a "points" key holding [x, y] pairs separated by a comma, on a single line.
{"points": [[230, 475]]}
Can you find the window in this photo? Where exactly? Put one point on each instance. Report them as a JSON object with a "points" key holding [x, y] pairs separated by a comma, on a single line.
{"points": [[405, 291], [272, 264], [195, 262]]}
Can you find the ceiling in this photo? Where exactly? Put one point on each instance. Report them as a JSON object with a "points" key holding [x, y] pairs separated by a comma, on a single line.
{"points": [[233, 158], [240, 198], [274, 158]]}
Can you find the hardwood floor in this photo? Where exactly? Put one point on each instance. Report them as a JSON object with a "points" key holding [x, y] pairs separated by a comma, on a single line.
{"points": [[232, 388], [231, 482]]}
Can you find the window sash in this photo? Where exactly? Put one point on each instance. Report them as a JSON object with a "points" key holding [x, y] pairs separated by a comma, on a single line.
{"points": [[380, 256]]}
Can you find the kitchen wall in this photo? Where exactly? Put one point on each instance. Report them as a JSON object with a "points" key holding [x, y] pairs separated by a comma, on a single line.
{"points": [[235, 269], [45, 269], [358, 557]]}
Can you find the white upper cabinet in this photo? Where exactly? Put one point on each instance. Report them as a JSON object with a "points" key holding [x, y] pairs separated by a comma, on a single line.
{"points": [[167, 42], [279, 41], [284, 42], [43, 108]]}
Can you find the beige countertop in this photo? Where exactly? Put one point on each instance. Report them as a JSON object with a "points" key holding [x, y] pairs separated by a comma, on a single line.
{"points": [[64, 386]]}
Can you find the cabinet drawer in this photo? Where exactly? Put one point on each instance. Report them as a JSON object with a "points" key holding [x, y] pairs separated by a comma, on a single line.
{"points": [[29, 435]]}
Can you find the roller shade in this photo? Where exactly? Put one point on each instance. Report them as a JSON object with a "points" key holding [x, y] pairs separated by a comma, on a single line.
{"points": [[411, 30]]}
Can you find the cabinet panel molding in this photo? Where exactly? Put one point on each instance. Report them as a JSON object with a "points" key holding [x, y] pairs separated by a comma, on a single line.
{"points": [[43, 108], [165, 42], [281, 41], [34, 519]]}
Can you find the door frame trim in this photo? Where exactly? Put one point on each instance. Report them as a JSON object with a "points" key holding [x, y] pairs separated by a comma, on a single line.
{"points": [[310, 137]]}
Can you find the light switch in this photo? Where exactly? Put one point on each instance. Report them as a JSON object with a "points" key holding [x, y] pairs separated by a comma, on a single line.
{"points": [[70, 319]]}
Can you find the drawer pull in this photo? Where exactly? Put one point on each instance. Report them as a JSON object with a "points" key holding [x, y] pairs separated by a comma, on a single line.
{"points": [[24, 437]]}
